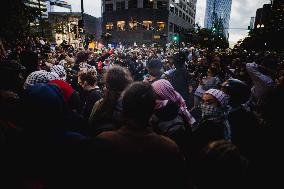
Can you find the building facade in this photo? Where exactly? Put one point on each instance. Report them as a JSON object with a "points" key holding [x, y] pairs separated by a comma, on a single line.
{"points": [[39, 4], [146, 21], [217, 15], [66, 26], [270, 16]]}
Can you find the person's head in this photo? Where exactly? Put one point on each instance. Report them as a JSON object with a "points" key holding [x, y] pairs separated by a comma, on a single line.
{"points": [[164, 90], [269, 65], [154, 67], [60, 70], [87, 81], [40, 76], [213, 102], [221, 165], [212, 71], [42, 104], [117, 79], [238, 91], [179, 59], [138, 103], [82, 56], [11, 76]]}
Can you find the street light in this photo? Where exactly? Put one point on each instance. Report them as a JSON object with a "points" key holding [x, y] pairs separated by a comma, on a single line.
{"points": [[260, 26]]}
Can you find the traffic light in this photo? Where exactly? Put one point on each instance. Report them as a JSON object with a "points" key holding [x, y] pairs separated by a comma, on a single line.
{"points": [[175, 38], [213, 30]]}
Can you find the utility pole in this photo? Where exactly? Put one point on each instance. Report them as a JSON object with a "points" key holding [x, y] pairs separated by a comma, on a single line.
{"points": [[40, 19], [82, 12], [179, 40]]}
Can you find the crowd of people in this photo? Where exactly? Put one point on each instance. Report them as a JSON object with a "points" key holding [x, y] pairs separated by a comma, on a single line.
{"points": [[138, 117]]}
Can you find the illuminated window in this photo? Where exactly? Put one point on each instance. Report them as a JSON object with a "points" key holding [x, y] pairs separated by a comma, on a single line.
{"points": [[147, 25], [133, 25], [120, 25], [161, 26], [109, 26]]}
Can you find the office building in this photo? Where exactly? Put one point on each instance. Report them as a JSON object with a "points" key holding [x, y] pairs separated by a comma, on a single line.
{"points": [[217, 15], [146, 21]]}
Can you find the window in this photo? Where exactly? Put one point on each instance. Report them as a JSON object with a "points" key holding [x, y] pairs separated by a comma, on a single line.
{"points": [[176, 29], [180, 13], [172, 8], [176, 10], [109, 26], [162, 5], [147, 25], [148, 4], [183, 16], [133, 24], [161, 26], [109, 7], [120, 5], [132, 4], [120, 25], [171, 27]]}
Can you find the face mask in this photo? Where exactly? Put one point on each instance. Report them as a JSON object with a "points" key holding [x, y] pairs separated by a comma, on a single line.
{"points": [[210, 111]]}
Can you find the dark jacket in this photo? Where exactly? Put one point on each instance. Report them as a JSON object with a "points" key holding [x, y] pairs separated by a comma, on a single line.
{"points": [[147, 159], [91, 98], [180, 81]]}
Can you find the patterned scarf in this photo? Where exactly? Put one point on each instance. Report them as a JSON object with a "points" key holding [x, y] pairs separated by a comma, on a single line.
{"points": [[166, 92]]}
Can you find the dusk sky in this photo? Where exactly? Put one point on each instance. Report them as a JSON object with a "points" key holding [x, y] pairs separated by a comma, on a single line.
{"points": [[242, 11]]}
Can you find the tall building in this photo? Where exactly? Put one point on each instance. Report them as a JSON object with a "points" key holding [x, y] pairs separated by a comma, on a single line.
{"points": [[217, 15], [270, 16], [39, 4], [146, 21]]}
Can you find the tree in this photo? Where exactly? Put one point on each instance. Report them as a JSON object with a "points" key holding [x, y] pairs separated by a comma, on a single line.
{"points": [[15, 19]]}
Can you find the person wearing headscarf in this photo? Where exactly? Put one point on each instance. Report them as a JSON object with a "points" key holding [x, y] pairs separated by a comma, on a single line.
{"points": [[40, 76], [167, 94]]}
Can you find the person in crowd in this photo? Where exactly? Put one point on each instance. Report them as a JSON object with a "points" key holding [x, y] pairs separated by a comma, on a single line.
{"points": [[60, 70], [154, 68], [71, 97], [40, 76], [92, 93], [214, 124], [171, 116], [11, 88], [262, 74], [137, 150], [29, 59], [106, 113], [209, 82], [45, 139], [180, 78], [243, 123], [221, 165]]}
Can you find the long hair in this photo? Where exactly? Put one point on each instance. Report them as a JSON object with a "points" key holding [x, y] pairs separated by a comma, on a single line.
{"points": [[116, 80]]}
